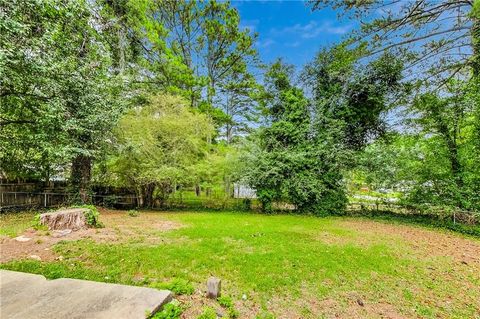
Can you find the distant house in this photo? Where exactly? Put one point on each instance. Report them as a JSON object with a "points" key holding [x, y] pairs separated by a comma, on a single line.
{"points": [[243, 191]]}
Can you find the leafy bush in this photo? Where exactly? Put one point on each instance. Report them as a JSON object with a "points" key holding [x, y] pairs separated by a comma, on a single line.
{"points": [[110, 201], [169, 311], [92, 216], [247, 204], [296, 159], [133, 213], [178, 286]]}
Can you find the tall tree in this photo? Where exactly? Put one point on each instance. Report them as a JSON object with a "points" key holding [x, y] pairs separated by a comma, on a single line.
{"points": [[206, 38], [438, 38], [56, 86], [449, 121], [357, 96], [293, 163], [157, 144]]}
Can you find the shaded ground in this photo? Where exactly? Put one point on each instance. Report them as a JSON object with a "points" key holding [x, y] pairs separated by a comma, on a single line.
{"points": [[119, 228], [286, 266]]}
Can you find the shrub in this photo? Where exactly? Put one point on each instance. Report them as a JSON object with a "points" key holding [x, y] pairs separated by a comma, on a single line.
{"points": [[92, 216], [133, 213], [247, 204], [110, 201]]}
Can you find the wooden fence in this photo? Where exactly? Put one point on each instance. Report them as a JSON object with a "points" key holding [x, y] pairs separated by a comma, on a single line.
{"points": [[31, 200], [27, 200], [21, 200]]}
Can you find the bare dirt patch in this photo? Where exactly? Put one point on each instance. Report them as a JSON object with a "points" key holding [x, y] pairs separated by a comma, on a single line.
{"points": [[423, 241], [119, 227]]}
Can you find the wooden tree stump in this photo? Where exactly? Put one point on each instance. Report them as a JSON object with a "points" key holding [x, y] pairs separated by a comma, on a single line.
{"points": [[73, 219]]}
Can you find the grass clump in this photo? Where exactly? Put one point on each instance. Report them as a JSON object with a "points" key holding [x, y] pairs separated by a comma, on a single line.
{"points": [[37, 225], [227, 303], [265, 315], [208, 313], [169, 311], [133, 213], [178, 286]]}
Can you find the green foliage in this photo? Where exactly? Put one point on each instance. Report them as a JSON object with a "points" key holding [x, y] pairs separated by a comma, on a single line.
{"points": [[178, 286], [437, 167], [60, 101], [227, 303], [36, 221], [233, 313], [265, 315], [353, 97], [92, 216], [404, 28], [110, 201], [169, 311], [199, 50], [290, 162], [157, 144], [208, 313], [36, 224], [133, 213], [247, 204]]}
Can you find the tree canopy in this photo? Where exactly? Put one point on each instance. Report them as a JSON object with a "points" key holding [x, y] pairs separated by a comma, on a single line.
{"points": [[156, 96]]}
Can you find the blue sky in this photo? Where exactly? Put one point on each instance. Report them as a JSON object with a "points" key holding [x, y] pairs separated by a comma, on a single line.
{"points": [[289, 29]]}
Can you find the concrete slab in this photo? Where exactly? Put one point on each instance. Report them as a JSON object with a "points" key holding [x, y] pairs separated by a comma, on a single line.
{"points": [[29, 296]]}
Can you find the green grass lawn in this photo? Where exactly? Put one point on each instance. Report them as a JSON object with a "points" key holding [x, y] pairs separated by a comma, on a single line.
{"points": [[287, 266]]}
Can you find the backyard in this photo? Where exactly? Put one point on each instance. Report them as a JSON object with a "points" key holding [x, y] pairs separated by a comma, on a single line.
{"points": [[271, 266]]}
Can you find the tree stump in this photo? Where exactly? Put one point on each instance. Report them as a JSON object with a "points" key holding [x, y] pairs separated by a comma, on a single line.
{"points": [[73, 219], [213, 287]]}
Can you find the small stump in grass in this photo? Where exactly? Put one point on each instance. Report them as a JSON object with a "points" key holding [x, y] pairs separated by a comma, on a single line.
{"points": [[73, 219], [213, 287]]}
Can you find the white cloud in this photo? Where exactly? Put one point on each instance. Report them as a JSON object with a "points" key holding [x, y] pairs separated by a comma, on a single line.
{"points": [[313, 29], [293, 44], [249, 24], [265, 44]]}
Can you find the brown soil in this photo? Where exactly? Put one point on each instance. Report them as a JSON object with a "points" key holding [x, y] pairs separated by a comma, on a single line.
{"points": [[118, 227], [423, 241]]}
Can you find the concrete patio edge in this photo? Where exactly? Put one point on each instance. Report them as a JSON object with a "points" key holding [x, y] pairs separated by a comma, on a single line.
{"points": [[30, 296]]}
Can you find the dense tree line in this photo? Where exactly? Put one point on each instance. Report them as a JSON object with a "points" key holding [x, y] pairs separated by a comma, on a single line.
{"points": [[157, 95]]}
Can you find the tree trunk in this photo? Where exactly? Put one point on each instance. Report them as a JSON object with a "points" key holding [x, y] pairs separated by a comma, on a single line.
{"points": [[229, 132], [197, 190], [73, 219], [227, 187], [147, 192], [80, 179]]}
